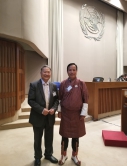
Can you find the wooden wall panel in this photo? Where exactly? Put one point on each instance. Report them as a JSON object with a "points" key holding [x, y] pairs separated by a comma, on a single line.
{"points": [[104, 98], [9, 78], [109, 100], [20, 76], [124, 111]]}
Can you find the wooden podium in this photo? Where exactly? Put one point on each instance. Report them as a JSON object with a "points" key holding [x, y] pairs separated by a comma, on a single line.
{"points": [[104, 98], [124, 111]]}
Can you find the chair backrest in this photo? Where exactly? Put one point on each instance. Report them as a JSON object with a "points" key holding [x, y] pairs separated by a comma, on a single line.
{"points": [[98, 79], [122, 77], [57, 84]]}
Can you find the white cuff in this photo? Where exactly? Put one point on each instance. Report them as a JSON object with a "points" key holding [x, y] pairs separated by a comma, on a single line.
{"points": [[84, 110], [59, 107]]}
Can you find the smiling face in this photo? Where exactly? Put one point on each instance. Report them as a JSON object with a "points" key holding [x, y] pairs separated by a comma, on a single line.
{"points": [[45, 74], [72, 72]]}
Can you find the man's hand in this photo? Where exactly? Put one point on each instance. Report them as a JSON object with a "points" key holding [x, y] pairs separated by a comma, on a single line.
{"points": [[51, 111], [82, 117], [59, 115], [45, 111]]}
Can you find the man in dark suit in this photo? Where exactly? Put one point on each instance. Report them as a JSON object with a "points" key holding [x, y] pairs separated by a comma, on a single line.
{"points": [[43, 99]]}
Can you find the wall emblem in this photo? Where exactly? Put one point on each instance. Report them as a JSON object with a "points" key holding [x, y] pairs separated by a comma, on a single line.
{"points": [[91, 22]]}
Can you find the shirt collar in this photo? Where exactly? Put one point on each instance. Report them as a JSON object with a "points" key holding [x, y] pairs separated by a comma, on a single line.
{"points": [[44, 82], [71, 80]]}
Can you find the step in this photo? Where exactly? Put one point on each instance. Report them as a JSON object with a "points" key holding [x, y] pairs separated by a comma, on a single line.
{"points": [[88, 118], [25, 115], [26, 109], [20, 123]]}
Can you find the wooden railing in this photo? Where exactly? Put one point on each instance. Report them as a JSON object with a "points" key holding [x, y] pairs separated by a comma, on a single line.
{"points": [[12, 83], [124, 111], [104, 98]]}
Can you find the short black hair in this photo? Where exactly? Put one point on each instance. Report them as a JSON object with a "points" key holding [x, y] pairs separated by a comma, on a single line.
{"points": [[70, 64], [45, 66]]}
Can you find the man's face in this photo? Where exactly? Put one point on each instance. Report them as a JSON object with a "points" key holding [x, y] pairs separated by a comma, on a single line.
{"points": [[45, 74], [72, 72]]}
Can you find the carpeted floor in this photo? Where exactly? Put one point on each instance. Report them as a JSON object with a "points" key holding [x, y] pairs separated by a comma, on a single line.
{"points": [[16, 146]]}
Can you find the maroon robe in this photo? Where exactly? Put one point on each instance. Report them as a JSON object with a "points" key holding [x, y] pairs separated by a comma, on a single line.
{"points": [[71, 105]]}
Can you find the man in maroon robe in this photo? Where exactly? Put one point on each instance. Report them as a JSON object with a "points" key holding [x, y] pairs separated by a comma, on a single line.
{"points": [[73, 96]]}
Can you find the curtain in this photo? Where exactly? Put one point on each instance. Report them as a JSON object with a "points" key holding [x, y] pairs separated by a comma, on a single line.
{"points": [[119, 43], [56, 39]]}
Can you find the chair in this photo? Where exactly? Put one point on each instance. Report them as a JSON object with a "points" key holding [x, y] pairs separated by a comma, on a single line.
{"points": [[122, 77], [98, 79], [57, 84]]}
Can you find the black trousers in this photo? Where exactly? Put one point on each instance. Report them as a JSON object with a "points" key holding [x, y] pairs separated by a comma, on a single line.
{"points": [[74, 144], [48, 140]]}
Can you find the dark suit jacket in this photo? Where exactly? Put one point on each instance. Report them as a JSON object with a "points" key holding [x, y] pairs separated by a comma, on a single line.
{"points": [[36, 99]]}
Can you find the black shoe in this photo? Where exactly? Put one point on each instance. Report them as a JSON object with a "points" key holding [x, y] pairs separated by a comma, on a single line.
{"points": [[37, 162], [52, 159]]}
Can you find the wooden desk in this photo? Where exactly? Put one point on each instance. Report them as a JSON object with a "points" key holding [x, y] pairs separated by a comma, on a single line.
{"points": [[124, 111], [104, 98]]}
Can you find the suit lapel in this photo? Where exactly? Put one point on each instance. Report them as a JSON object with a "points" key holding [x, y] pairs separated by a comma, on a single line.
{"points": [[41, 88], [50, 89]]}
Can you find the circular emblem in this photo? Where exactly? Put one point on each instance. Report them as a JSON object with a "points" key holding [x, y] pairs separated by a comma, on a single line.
{"points": [[91, 22]]}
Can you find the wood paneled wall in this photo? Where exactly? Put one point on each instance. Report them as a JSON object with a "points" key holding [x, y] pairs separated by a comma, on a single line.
{"points": [[109, 100], [104, 98], [124, 111], [12, 78]]}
